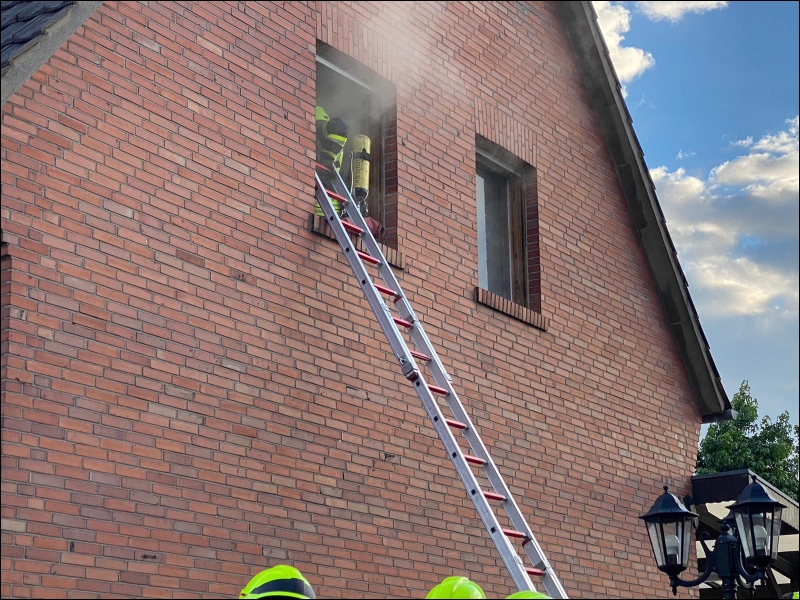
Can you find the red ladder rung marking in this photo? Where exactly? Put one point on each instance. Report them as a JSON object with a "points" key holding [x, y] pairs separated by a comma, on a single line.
{"points": [[474, 460], [534, 571], [438, 390], [385, 290], [321, 167], [515, 534], [402, 323], [419, 355], [350, 227], [336, 196], [494, 496], [455, 424], [366, 257]]}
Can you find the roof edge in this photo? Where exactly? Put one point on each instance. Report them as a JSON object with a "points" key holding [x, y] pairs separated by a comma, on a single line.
{"points": [[26, 65], [604, 91], [738, 480]]}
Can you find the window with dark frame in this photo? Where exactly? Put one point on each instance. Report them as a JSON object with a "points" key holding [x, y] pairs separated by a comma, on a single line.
{"points": [[366, 102], [507, 226]]}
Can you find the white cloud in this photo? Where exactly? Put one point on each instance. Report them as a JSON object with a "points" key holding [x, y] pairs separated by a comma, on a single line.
{"points": [[758, 168], [681, 155], [615, 20], [784, 142], [629, 62], [678, 186], [737, 230], [779, 191], [745, 143], [743, 287], [770, 171], [674, 11]]}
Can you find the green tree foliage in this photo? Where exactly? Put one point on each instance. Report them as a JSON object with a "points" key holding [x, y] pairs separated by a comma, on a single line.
{"points": [[766, 448]]}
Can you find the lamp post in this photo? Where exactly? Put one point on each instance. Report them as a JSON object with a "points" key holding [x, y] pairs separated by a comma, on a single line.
{"points": [[754, 546]]}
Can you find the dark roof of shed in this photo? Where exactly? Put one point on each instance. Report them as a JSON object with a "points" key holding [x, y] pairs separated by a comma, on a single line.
{"points": [[23, 24]]}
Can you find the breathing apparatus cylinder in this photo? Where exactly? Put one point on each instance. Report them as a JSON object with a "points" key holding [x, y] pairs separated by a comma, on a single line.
{"points": [[361, 160]]}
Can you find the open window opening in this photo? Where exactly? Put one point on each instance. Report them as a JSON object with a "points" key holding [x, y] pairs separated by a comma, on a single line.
{"points": [[508, 226], [367, 104]]}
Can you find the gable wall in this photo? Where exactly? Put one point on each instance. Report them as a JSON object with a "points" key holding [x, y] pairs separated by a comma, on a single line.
{"points": [[194, 389]]}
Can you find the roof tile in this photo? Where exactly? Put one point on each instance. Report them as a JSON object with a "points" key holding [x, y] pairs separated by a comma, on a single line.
{"points": [[23, 23]]}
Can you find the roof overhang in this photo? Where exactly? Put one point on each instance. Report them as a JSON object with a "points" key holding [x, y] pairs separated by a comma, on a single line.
{"points": [[604, 90], [39, 49], [724, 487]]}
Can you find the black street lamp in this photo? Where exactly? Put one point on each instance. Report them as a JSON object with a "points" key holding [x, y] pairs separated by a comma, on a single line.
{"points": [[758, 522]]}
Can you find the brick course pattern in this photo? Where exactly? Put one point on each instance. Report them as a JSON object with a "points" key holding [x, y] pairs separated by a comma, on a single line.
{"points": [[195, 389]]}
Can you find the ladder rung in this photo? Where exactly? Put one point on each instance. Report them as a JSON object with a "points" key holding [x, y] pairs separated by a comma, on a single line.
{"points": [[455, 424], [474, 460], [385, 290], [402, 323], [321, 167], [534, 571], [438, 390], [350, 227], [366, 257], [494, 496], [419, 355], [336, 196], [515, 534]]}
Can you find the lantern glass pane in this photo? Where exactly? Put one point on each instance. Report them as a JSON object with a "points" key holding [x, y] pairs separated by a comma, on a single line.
{"points": [[743, 525], [673, 538], [774, 531], [755, 529], [654, 530], [687, 541]]}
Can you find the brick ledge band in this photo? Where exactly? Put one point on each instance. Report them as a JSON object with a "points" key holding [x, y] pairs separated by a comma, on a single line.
{"points": [[517, 311]]}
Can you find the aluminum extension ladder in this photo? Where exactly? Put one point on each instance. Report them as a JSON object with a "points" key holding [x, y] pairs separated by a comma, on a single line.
{"points": [[427, 392]]}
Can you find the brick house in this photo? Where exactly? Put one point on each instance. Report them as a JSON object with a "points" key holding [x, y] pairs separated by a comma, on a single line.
{"points": [[194, 387]]}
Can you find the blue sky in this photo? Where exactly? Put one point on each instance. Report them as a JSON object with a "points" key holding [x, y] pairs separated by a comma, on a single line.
{"points": [[713, 91]]}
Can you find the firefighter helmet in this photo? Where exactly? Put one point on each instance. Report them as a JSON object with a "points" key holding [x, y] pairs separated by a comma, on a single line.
{"points": [[457, 587], [278, 582]]}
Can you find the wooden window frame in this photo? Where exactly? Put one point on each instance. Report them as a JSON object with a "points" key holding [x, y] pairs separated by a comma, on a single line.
{"points": [[383, 196], [524, 239]]}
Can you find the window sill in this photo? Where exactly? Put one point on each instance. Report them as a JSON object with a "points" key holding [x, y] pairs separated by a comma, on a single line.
{"points": [[516, 311], [320, 226]]}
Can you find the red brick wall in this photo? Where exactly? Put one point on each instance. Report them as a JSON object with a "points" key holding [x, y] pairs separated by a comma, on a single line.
{"points": [[193, 387]]}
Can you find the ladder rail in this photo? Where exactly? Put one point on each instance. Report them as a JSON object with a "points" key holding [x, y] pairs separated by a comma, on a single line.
{"points": [[508, 553], [532, 548], [384, 270], [382, 312]]}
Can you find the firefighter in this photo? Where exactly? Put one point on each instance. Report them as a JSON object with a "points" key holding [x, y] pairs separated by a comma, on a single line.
{"points": [[332, 135], [331, 138], [457, 587], [276, 583]]}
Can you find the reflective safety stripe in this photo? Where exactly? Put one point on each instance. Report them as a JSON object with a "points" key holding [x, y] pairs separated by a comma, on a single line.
{"points": [[337, 138], [285, 586], [337, 206]]}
